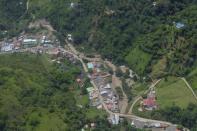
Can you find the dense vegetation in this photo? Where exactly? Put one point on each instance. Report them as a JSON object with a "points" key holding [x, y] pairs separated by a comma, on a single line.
{"points": [[12, 17], [38, 95], [133, 32], [34, 92], [186, 117]]}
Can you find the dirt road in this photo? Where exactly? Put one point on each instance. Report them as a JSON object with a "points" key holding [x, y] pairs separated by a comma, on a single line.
{"points": [[190, 88]]}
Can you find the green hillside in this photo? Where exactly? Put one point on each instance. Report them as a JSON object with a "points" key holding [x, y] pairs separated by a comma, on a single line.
{"points": [[120, 30], [30, 98], [37, 95], [173, 91], [34, 95]]}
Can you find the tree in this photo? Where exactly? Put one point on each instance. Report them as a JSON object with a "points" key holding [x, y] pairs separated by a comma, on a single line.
{"points": [[119, 72]]}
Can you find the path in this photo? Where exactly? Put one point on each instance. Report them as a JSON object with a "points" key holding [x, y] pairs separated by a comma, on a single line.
{"points": [[116, 82], [130, 116], [190, 88], [139, 97], [80, 57], [133, 117], [77, 57], [127, 115], [27, 5]]}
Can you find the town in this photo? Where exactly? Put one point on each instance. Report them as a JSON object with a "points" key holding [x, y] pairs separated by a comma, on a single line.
{"points": [[102, 94]]}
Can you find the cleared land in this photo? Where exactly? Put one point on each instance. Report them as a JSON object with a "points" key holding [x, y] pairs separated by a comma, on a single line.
{"points": [[138, 60], [173, 91]]}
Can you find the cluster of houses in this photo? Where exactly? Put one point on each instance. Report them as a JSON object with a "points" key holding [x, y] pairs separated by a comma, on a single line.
{"points": [[105, 90], [27, 41], [94, 97], [149, 103], [10, 45]]}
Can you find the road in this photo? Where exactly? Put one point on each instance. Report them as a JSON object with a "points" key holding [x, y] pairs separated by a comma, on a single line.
{"points": [[130, 116], [115, 80], [133, 117], [77, 55], [139, 97], [27, 5]]}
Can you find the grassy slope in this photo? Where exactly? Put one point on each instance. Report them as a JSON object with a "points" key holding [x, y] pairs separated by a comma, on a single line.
{"points": [[35, 70], [32, 66], [138, 60], [173, 91]]}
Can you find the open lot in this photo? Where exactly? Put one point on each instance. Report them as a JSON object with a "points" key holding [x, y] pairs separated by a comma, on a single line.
{"points": [[173, 91]]}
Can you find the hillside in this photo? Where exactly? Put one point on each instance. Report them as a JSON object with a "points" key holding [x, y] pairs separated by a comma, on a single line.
{"points": [[156, 39], [37, 95], [30, 97], [135, 33]]}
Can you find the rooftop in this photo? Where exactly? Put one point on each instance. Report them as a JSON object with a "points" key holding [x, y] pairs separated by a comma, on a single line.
{"points": [[179, 25]]}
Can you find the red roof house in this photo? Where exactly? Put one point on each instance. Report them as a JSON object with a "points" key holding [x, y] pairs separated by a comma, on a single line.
{"points": [[149, 103]]}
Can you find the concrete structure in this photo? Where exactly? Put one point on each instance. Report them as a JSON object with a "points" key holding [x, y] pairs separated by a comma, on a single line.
{"points": [[29, 43], [114, 119], [90, 65], [69, 37], [179, 25], [7, 47]]}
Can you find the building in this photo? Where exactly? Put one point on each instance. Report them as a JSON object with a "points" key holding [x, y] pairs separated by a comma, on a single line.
{"points": [[90, 65], [69, 37], [29, 43], [149, 103], [154, 3], [179, 25], [72, 5], [114, 119], [7, 47]]}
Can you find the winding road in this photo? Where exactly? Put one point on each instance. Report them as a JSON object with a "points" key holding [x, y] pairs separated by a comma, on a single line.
{"points": [[139, 97], [130, 116], [79, 56]]}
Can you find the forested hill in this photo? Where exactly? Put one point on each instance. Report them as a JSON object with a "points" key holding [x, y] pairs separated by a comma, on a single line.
{"points": [[144, 34]]}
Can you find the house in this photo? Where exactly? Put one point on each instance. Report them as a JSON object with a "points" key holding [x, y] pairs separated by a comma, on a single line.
{"points": [[179, 25], [149, 103], [114, 119], [72, 5], [7, 47], [154, 3], [90, 65], [107, 86], [29, 43], [89, 89], [69, 37]]}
